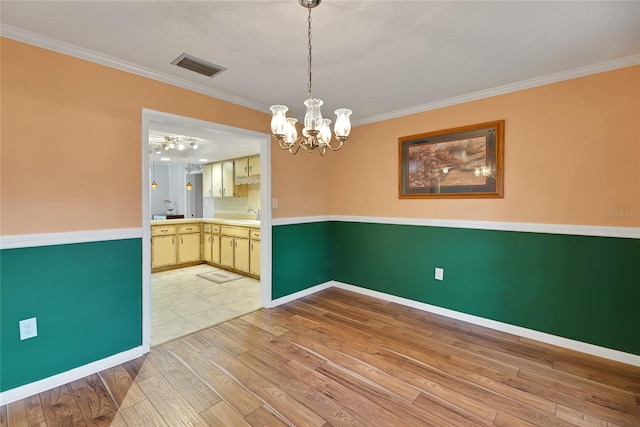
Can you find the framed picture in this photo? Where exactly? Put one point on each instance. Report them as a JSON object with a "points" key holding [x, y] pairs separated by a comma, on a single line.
{"points": [[464, 162]]}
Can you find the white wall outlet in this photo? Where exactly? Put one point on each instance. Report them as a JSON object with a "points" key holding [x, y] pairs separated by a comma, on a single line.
{"points": [[439, 273], [28, 328], [274, 203]]}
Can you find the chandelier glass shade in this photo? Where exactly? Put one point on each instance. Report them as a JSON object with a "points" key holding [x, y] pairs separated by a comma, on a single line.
{"points": [[316, 133]]}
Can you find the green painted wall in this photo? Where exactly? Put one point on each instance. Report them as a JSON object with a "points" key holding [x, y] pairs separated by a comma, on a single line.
{"points": [[88, 301], [301, 257], [578, 287]]}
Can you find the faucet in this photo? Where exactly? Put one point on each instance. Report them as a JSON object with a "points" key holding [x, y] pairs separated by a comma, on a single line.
{"points": [[255, 211]]}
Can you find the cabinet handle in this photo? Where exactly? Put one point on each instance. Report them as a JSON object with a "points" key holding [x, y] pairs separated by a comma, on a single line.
{"points": [[252, 247], [224, 190], [220, 191], [173, 241], [181, 241], [236, 244], [231, 243], [245, 169], [250, 169], [189, 228]]}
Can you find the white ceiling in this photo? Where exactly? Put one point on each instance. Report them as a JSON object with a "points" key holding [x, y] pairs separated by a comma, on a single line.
{"points": [[379, 58]]}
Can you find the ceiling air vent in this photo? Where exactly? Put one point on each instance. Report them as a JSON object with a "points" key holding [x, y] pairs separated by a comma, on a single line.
{"points": [[198, 65]]}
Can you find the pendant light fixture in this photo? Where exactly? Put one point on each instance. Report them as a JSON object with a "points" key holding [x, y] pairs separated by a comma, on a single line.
{"points": [[316, 132], [154, 184], [189, 186]]}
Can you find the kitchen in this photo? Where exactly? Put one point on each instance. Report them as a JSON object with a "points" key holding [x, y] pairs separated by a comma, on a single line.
{"points": [[205, 204]]}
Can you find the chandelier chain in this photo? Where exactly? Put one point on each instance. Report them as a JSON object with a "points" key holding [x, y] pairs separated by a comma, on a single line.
{"points": [[309, 57]]}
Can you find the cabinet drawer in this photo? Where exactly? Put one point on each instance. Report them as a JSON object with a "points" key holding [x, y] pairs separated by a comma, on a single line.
{"points": [[160, 230], [235, 231], [189, 228], [212, 228], [255, 234]]}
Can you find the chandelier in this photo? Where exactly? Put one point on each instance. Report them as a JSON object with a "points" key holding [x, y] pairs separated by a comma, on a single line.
{"points": [[316, 132]]}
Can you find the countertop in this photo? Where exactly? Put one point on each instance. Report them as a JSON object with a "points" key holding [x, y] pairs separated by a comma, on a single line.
{"points": [[251, 223]]}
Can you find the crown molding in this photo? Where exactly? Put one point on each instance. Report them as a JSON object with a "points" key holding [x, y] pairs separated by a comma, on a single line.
{"points": [[99, 58], [513, 87], [109, 61]]}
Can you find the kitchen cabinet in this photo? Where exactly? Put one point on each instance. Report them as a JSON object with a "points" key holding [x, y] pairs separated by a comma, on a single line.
{"points": [[247, 166], [207, 190], [254, 166], [254, 253], [211, 243], [222, 179], [163, 246], [242, 167], [234, 248], [164, 251], [188, 243]]}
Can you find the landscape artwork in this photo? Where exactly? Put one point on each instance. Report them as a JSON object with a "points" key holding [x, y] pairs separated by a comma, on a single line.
{"points": [[448, 164], [454, 163]]}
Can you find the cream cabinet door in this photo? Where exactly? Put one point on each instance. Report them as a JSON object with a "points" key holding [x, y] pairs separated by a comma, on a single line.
{"points": [[188, 247], [163, 251], [206, 247], [242, 167], [254, 257], [227, 178], [226, 251], [215, 248], [254, 165], [207, 189], [241, 256], [216, 179]]}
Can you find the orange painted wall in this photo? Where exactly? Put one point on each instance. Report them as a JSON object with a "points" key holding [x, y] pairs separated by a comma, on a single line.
{"points": [[572, 153], [572, 150], [71, 139]]}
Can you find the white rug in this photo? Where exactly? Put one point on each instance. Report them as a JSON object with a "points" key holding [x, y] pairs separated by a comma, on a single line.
{"points": [[220, 276]]}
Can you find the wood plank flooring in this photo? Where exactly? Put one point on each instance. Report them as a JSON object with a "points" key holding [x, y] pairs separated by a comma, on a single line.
{"points": [[338, 358]]}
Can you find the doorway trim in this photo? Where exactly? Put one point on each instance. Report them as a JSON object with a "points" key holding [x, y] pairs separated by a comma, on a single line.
{"points": [[151, 116]]}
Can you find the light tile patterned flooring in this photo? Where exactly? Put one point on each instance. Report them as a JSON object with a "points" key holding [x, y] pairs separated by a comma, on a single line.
{"points": [[183, 303]]}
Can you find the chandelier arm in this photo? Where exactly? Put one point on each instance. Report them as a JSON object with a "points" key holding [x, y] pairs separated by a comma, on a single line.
{"points": [[336, 148]]}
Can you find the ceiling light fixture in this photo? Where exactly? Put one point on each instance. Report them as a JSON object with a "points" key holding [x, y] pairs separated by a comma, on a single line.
{"points": [[171, 142], [316, 132]]}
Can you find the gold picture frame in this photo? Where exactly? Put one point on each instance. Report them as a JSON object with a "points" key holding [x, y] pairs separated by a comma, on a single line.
{"points": [[463, 162]]}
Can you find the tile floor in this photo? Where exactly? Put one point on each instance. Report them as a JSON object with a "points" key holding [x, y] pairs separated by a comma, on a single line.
{"points": [[183, 303]]}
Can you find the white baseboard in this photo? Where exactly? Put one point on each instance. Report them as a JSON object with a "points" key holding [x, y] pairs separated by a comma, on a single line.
{"points": [[594, 350], [36, 387], [300, 294]]}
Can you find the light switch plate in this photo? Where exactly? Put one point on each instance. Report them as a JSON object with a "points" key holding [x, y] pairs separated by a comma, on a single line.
{"points": [[439, 273]]}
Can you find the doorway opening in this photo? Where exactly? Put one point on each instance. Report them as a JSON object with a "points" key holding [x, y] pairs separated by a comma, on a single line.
{"points": [[229, 145]]}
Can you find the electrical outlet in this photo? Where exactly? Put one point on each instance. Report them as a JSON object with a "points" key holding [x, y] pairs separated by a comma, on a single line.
{"points": [[28, 328], [439, 273], [274, 203]]}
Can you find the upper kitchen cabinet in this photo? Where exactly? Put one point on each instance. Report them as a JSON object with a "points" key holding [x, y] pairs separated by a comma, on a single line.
{"points": [[247, 166], [222, 183], [242, 167], [254, 166], [207, 190]]}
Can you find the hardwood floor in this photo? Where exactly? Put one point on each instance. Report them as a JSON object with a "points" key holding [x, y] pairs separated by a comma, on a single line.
{"points": [[337, 358]]}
